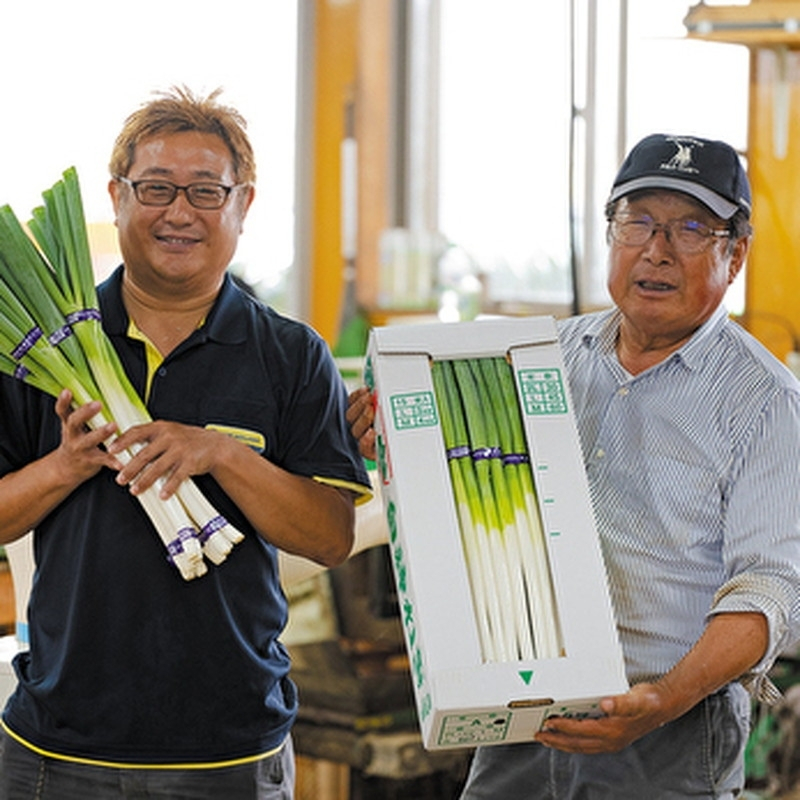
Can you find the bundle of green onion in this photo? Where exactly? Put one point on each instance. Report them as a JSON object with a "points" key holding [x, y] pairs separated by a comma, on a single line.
{"points": [[51, 337], [497, 509]]}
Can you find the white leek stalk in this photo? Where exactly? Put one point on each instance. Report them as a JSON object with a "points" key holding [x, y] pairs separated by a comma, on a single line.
{"points": [[492, 483]]}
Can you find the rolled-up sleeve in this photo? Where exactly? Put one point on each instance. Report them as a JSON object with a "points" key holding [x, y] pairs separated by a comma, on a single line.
{"points": [[762, 527]]}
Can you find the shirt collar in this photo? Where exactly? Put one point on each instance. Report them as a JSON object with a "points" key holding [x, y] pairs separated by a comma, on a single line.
{"points": [[694, 351], [225, 322], [603, 330]]}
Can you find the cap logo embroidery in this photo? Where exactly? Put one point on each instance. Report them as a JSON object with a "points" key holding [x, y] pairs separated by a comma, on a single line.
{"points": [[682, 160]]}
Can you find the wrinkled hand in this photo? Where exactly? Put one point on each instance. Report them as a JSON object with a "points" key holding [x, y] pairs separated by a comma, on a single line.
{"points": [[361, 417], [627, 718], [80, 450], [169, 451]]}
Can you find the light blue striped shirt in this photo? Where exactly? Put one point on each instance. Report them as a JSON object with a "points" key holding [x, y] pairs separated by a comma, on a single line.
{"points": [[694, 473]]}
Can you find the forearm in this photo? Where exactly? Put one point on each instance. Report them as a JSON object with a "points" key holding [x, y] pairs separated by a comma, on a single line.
{"points": [[30, 494], [731, 644], [298, 515]]}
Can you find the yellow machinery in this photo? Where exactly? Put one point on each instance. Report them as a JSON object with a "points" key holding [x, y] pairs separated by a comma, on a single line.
{"points": [[771, 31]]}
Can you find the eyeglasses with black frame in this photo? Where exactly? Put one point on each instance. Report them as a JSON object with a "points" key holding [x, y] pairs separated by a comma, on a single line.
{"points": [[205, 195], [688, 236]]}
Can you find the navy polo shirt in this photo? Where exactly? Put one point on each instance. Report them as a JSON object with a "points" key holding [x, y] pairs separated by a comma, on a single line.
{"points": [[129, 663]]}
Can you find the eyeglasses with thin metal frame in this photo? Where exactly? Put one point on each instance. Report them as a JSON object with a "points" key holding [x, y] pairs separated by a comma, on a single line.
{"points": [[687, 236], [205, 195]]}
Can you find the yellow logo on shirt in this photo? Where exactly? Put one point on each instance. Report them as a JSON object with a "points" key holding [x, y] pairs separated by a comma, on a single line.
{"points": [[252, 439]]}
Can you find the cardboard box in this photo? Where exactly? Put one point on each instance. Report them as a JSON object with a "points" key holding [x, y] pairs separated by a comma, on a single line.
{"points": [[463, 701]]}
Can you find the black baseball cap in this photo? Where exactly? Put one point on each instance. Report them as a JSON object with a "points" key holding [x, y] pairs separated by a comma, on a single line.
{"points": [[710, 171]]}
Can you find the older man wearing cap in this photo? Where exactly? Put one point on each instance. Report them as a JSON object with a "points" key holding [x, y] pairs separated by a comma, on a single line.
{"points": [[690, 432]]}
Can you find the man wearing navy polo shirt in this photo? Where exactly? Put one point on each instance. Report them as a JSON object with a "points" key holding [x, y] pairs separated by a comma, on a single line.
{"points": [[138, 683]]}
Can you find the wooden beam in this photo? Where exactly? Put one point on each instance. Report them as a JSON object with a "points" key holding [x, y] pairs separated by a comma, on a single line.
{"points": [[376, 140], [764, 23], [334, 78]]}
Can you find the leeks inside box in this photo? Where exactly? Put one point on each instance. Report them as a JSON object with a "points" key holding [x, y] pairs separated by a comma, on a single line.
{"points": [[462, 699]]}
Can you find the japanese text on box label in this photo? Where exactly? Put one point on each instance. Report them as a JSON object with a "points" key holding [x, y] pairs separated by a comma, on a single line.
{"points": [[414, 410], [542, 391]]}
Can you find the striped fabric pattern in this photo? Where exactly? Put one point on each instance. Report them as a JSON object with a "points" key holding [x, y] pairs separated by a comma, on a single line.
{"points": [[694, 474]]}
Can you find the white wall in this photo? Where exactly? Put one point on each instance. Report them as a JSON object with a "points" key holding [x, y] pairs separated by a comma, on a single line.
{"points": [[72, 71]]}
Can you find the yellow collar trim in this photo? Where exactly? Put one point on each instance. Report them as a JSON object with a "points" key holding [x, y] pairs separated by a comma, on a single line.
{"points": [[153, 357]]}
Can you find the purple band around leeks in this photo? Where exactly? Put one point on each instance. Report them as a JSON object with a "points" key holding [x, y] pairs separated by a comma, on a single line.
{"points": [[175, 547], [482, 453], [59, 334], [83, 315], [462, 451], [31, 337], [211, 527]]}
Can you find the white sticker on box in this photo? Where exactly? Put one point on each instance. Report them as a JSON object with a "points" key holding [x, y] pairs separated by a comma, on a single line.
{"points": [[466, 729]]}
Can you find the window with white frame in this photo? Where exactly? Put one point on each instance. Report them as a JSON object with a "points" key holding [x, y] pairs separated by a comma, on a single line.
{"points": [[538, 103], [76, 70]]}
